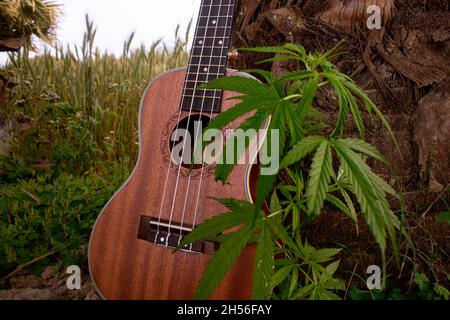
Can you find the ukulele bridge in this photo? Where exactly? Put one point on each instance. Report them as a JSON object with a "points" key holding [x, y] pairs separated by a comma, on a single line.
{"points": [[169, 235]]}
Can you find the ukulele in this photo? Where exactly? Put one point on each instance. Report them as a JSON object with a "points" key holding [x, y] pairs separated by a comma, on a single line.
{"points": [[131, 251]]}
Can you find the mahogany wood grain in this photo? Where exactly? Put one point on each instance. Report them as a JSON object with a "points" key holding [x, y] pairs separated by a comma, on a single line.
{"points": [[124, 267]]}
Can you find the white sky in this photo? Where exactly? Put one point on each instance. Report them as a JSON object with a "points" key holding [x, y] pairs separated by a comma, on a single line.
{"points": [[116, 19]]}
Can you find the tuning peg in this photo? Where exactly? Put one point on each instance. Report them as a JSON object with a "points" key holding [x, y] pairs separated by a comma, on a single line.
{"points": [[233, 55]]}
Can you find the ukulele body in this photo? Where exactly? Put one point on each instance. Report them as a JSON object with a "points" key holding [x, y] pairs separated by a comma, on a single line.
{"points": [[123, 264]]}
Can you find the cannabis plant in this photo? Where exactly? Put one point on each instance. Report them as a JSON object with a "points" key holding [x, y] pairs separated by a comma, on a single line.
{"points": [[319, 166]]}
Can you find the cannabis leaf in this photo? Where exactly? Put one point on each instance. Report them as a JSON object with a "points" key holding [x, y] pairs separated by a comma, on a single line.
{"points": [[319, 178], [223, 260], [264, 262]]}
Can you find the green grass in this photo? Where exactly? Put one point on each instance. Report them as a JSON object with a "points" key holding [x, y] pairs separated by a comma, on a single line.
{"points": [[81, 144]]}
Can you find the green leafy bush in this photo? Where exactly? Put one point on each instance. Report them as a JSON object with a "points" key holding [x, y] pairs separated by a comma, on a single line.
{"points": [[47, 212], [322, 167]]}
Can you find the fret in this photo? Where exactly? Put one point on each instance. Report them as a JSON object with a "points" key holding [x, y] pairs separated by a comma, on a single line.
{"points": [[202, 93], [216, 17], [209, 54], [216, 11], [209, 51], [212, 42], [198, 104], [218, 2], [213, 22], [211, 60], [202, 77], [206, 68], [219, 32]]}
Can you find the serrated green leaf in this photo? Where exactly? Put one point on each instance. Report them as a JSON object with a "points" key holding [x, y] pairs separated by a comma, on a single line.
{"points": [[363, 147], [278, 58], [319, 178], [443, 217], [281, 233], [340, 91], [309, 94], [320, 293], [294, 281], [264, 262], [264, 188], [442, 291], [341, 206], [350, 206], [294, 124], [279, 276], [356, 113], [230, 115], [266, 183], [255, 122], [303, 292], [297, 75], [275, 205], [371, 107], [301, 150], [222, 261], [247, 86], [370, 196], [274, 49], [218, 224], [422, 281], [332, 267], [323, 255], [237, 205], [271, 80]]}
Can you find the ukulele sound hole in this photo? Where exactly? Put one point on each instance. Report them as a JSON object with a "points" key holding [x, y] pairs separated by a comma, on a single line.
{"points": [[185, 140]]}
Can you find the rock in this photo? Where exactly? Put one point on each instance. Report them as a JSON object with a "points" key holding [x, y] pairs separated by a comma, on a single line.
{"points": [[432, 135]]}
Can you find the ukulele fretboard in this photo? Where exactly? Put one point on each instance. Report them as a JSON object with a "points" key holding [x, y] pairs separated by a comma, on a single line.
{"points": [[209, 55]]}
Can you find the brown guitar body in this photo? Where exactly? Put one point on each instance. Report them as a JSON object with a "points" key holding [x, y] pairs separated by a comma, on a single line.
{"points": [[124, 267]]}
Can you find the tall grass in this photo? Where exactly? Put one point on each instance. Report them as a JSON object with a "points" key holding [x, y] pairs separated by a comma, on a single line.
{"points": [[76, 144], [99, 85]]}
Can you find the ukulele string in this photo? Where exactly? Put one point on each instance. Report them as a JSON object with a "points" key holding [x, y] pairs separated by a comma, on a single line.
{"points": [[225, 46], [187, 126], [207, 69], [174, 141]]}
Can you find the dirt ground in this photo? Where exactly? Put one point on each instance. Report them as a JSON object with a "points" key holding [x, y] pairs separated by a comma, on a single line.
{"points": [[50, 285]]}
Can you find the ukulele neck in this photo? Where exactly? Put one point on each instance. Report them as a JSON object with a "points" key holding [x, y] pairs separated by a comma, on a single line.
{"points": [[209, 55]]}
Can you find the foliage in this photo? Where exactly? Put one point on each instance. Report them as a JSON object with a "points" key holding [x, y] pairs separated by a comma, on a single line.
{"points": [[23, 18], [425, 291], [323, 168], [48, 212], [78, 142]]}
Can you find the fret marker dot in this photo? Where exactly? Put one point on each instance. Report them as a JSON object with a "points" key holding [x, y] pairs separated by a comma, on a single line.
{"points": [[200, 42], [220, 42], [214, 21], [205, 69], [162, 239]]}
